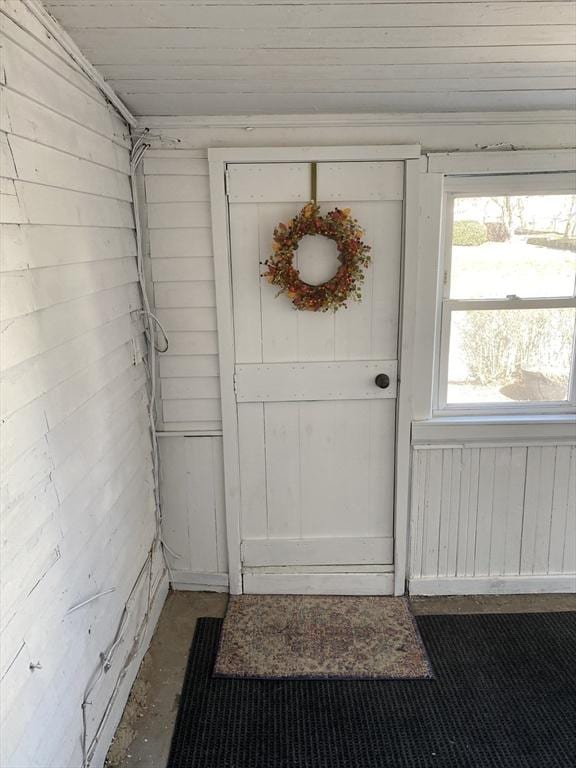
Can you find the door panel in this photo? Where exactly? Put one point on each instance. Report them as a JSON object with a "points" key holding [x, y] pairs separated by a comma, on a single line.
{"points": [[365, 330], [342, 447], [281, 382], [316, 434], [312, 552], [361, 181]]}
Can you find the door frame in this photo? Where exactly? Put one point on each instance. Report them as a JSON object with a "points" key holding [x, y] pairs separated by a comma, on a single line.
{"points": [[218, 160]]}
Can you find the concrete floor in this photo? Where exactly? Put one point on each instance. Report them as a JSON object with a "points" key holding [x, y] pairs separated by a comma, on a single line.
{"points": [[143, 737]]}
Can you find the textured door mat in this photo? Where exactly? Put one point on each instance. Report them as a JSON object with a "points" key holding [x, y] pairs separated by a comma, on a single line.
{"points": [[317, 636], [503, 696]]}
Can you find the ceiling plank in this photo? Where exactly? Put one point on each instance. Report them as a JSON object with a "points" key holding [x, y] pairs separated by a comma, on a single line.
{"points": [[332, 57], [110, 15], [272, 104], [302, 3], [287, 86], [179, 72], [438, 37]]}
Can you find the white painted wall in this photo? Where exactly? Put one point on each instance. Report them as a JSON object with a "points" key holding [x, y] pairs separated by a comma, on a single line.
{"points": [[181, 261], [180, 243], [183, 274], [77, 487], [76, 471], [194, 527], [493, 519]]}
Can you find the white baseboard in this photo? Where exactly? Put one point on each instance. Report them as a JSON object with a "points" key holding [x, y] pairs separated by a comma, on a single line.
{"points": [[199, 582], [374, 584], [494, 585]]}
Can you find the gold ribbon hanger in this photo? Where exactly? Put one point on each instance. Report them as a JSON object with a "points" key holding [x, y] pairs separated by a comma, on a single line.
{"points": [[313, 182]]}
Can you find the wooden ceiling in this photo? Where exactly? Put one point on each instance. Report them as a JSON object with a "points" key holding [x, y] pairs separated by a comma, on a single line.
{"points": [[238, 57]]}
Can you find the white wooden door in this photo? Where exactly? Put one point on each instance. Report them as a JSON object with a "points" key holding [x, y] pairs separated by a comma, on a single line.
{"points": [[316, 434]]}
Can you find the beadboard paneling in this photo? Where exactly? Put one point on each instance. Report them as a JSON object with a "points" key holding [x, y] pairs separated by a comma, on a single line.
{"points": [[492, 514], [193, 509], [76, 476]]}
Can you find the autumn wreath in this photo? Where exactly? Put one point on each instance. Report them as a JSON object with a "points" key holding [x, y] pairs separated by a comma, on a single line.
{"points": [[353, 254]]}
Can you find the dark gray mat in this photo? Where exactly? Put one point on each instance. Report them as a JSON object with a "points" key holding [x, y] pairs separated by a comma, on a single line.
{"points": [[504, 696]]}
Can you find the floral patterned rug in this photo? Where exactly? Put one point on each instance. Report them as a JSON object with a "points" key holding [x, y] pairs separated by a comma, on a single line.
{"points": [[319, 637]]}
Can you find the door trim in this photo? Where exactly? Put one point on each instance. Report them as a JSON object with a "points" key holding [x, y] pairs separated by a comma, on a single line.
{"points": [[218, 159]]}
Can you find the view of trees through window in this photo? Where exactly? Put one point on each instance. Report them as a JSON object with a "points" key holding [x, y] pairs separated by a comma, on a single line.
{"points": [[506, 250]]}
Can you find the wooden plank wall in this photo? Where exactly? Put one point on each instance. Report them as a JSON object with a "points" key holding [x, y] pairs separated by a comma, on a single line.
{"points": [[192, 484], [180, 238], [77, 487], [493, 519], [180, 246], [183, 274], [194, 527]]}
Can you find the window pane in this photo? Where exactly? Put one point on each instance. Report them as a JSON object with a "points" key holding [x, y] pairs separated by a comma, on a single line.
{"points": [[510, 356], [519, 245]]}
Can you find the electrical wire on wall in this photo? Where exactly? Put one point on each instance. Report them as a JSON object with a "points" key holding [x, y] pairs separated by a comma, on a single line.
{"points": [[151, 324], [152, 330]]}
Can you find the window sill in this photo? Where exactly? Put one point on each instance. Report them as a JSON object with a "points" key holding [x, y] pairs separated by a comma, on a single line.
{"points": [[495, 430]]}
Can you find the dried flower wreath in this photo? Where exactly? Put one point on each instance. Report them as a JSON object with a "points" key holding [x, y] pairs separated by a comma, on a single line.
{"points": [[353, 254]]}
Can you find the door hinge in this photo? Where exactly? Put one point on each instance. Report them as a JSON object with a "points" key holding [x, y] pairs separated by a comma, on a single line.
{"points": [[227, 182], [235, 383]]}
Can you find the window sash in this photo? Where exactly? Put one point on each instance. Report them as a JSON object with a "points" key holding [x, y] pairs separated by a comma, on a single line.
{"points": [[476, 175], [556, 302], [448, 227], [442, 407], [493, 186], [497, 185]]}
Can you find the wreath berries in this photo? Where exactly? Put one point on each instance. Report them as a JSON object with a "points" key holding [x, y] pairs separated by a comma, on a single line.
{"points": [[353, 254]]}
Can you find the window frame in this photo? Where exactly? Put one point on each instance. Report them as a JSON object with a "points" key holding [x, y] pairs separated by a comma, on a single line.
{"points": [[492, 185]]}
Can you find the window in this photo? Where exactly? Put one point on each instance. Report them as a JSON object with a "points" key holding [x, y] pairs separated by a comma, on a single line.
{"points": [[508, 308]]}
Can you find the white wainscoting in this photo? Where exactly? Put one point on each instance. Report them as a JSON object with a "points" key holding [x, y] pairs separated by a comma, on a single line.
{"points": [[194, 527], [493, 519]]}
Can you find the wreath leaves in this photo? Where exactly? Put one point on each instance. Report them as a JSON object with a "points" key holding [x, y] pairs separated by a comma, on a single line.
{"points": [[353, 254]]}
